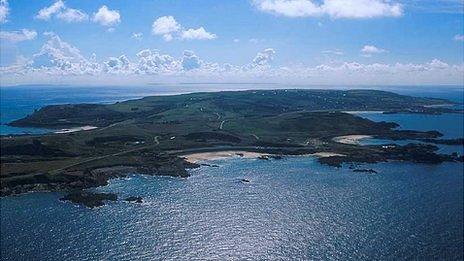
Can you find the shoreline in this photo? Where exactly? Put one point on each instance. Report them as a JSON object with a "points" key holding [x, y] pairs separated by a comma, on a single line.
{"points": [[75, 129], [227, 154], [351, 139]]}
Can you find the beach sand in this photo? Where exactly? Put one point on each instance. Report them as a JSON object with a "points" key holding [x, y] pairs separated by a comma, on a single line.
{"points": [[83, 128], [351, 139], [205, 156]]}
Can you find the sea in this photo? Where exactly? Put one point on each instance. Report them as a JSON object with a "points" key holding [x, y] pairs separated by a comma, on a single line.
{"points": [[292, 209]]}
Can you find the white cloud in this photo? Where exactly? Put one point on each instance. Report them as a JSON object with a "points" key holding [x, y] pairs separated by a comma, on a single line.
{"points": [[236, 40], [264, 58], [57, 54], [369, 50], [255, 40], [165, 25], [137, 36], [47, 12], [118, 65], [190, 61], [290, 8], [197, 34], [60, 11], [59, 61], [459, 37], [332, 8], [152, 62], [169, 28], [107, 17], [333, 52], [71, 15], [361, 8], [18, 36], [4, 10]]}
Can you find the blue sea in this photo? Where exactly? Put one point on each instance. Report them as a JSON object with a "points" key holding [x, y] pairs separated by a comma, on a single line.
{"points": [[292, 209]]}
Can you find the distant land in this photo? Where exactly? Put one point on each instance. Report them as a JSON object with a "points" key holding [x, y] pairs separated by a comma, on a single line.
{"points": [[153, 135]]}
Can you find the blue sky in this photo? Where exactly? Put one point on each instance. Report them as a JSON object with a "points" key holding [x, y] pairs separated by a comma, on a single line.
{"points": [[277, 39]]}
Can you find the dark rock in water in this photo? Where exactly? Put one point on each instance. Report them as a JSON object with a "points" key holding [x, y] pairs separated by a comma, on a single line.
{"points": [[209, 165], [263, 157], [245, 180], [239, 154], [365, 170], [89, 199], [134, 199]]}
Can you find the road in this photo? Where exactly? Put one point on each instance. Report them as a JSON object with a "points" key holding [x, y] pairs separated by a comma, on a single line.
{"points": [[108, 155], [222, 124]]}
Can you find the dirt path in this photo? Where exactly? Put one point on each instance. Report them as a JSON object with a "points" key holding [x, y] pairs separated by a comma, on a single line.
{"points": [[222, 124], [108, 155]]}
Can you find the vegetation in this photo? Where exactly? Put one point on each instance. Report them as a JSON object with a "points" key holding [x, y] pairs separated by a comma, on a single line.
{"points": [[149, 134]]}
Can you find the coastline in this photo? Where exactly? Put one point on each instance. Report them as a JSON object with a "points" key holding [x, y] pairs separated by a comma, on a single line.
{"points": [[226, 154], [82, 128], [351, 139]]}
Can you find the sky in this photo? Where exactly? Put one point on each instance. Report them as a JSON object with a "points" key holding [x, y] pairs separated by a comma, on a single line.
{"points": [[330, 42]]}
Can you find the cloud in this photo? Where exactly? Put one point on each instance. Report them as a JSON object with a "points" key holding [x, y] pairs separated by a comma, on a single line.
{"points": [[4, 11], [197, 34], [333, 52], [61, 12], [334, 8], [169, 28], [190, 61], [459, 38], [137, 36], [47, 12], [72, 15], [152, 62], [369, 50], [290, 8], [264, 58], [18, 36], [57, 54], [118, 65], [60, 61], [107, 17], [165, 26], [361, 8]]}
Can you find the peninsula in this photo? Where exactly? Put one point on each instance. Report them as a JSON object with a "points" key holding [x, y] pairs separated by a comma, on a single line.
{"points": [[153, 135]]}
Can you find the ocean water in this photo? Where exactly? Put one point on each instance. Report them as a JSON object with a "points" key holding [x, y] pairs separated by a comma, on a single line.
{"points": [[293, 208], [18, 101], [451, 125]]}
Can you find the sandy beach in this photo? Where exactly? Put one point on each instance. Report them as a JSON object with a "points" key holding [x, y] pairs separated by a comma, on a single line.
{"points": [[325, 154], [83, 128], [215, 155], [351, 139]]}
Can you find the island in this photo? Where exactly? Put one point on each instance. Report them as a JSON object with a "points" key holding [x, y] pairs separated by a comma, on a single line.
{"points": [[154, 135]]}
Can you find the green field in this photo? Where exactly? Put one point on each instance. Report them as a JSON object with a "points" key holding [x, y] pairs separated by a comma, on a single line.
{"points": [[149, 133]]}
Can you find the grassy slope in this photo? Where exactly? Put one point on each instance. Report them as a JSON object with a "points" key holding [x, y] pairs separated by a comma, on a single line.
{"points": [[164, 123]]}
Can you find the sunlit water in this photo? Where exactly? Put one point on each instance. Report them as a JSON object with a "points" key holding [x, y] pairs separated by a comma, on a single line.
{"points": [[292, 209]]}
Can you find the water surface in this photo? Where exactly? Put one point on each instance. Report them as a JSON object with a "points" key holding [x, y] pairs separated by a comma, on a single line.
{"points": [[292, 209]]}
